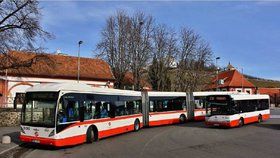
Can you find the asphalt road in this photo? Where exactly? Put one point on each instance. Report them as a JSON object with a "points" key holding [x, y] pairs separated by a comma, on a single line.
{"points": [[192, 139]]}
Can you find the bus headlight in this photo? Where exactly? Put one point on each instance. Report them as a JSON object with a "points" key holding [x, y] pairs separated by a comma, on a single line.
{"points": [[51, 134]]}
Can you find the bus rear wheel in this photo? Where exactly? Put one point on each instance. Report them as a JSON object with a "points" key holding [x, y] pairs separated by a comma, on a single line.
{"points": [[182, 119], [90, 135], [136, 125], [260, 118], [241, 122]]}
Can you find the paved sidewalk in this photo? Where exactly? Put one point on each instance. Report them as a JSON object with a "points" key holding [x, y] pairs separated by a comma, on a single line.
{"points": [[13, 132]]}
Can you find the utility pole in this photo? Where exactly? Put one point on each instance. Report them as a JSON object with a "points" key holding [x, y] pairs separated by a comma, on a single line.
{"points": [[217, 75]]}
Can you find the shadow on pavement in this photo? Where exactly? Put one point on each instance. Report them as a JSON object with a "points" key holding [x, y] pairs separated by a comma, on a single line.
{"points": [[200, 124], [270, 126], [43, 147]]}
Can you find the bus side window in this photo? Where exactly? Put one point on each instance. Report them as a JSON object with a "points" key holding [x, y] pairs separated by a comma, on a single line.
{"points": [[104, 110], [87, 109], [152, 106], [264, 104], [97, 110]]}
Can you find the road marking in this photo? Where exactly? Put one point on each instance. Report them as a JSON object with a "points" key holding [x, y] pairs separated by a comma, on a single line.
{"points": [[2, 152], [274, 116]]}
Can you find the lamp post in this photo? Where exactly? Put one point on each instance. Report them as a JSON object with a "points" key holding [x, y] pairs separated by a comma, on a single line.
{"points": [[80, 42], [217, 75], [242, 79]]}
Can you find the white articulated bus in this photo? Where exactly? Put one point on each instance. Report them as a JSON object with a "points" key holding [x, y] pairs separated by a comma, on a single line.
{"points": [[67, 114], [63, 114], [200, 102], [236, 109], [166, 108]]}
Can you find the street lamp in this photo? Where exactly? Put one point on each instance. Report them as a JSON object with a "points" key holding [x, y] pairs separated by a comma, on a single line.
{"points": [[80, 42], [217, 77], [242, 79]]}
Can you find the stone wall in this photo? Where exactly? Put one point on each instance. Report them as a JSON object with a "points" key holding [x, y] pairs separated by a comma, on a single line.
{"points": [[9, 117]]}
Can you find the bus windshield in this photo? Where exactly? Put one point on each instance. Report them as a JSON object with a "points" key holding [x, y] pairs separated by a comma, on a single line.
{"points": [[218, 105], [39, 109]]}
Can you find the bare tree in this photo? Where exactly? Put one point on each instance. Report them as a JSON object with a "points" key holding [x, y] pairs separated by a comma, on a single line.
{"points": [[125, 45], [130, 43], [193, 56], [113, 46], [19, 30], [139, 46], [163, 52]]}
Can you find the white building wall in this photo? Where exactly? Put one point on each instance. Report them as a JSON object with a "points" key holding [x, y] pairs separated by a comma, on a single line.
{"points": [[14, 88]]}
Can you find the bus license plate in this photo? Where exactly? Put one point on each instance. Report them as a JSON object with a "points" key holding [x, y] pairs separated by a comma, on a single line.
{"points": [[216, 124], [36, 141]]}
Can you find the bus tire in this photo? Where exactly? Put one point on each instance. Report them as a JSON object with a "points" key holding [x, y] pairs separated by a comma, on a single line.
{"points": [[136, 125], [182, 119], [260, 118], [91, 134], [241, 122]]}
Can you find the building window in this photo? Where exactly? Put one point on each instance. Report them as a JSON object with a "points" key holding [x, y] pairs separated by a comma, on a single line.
{"points": [[249, 91]]}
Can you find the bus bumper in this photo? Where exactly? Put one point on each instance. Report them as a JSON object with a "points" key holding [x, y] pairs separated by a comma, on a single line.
{"points": [[53, 142], [222, 124]]}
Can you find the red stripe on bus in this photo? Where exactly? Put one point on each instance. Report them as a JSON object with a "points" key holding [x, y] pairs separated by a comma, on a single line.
{"points": [[164, 122], [199, 118], [115, 131]]}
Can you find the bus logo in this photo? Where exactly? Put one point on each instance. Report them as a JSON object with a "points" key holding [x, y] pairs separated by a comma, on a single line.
{"points": [[36, 134]]}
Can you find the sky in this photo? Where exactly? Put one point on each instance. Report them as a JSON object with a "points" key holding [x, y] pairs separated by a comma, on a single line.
{"points": [[246, 34]]}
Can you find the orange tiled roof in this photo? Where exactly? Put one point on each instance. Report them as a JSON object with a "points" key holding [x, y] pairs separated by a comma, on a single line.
{"points": [[269, 91], [64, 67], [232, 78]]}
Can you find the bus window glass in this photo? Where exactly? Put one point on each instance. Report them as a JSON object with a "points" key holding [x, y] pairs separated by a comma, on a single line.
{"points": [[152, 106], [68, 109], [120, 108], [264, 104], [88, 110], [39, 109], [104, 109]]}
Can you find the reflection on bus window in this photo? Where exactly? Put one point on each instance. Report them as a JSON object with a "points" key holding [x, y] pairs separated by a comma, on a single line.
{"points": [[167, 104], [68, 109]]}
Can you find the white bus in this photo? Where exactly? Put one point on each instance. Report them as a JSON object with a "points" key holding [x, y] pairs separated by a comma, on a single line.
{"points": [[235, 110], [200, 102], [166, 108], [62, 114]]}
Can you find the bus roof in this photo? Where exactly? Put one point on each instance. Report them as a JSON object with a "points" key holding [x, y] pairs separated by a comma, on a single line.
{"points": [[80, 87], [242, 96], [166, 94], [207, 93], [248, 97]]}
